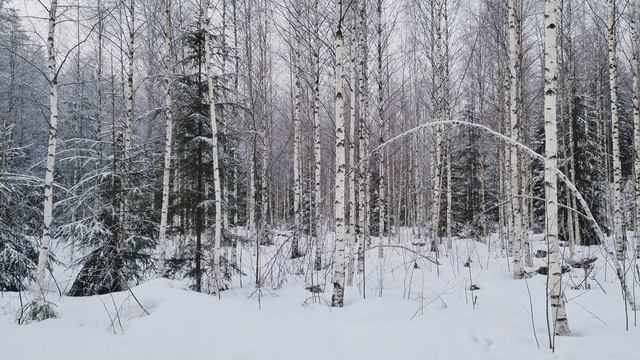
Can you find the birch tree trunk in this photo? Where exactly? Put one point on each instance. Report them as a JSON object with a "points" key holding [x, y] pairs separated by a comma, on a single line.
{"points": [[128, 120], [297, 143], [337, 300], [317, 141], [100, 51], [166, 176], [381, 125], [615, 131], [516, 231], [575, 221], [635, 68], [353, 159], [363, 178], [52, 68], [556, 296], [217, 186], [438, 79], [449, 194]]}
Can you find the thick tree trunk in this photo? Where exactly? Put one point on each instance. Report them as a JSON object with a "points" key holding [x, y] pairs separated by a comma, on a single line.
{"points": [[556, 296]]}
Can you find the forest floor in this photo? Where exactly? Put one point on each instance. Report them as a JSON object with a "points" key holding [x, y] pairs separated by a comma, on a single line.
{"points": [[425, 312]]}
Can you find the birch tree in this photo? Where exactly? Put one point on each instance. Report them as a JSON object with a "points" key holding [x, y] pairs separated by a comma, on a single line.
{"points": [[438, 84], [612, 41], [635, 68], [317, 141], [363, 178], [215, 281], [514, 107], [40, 310], [556, 296], [353, 207], [382, 197], [129, 89], [337, 300], [297, 143], [166, 174]]}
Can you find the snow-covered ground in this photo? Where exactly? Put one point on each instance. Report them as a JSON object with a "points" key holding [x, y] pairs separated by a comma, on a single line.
{"points": [[423, 313]]}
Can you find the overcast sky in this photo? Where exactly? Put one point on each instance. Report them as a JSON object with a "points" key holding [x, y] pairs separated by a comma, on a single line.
{"points": [[31, 11]]}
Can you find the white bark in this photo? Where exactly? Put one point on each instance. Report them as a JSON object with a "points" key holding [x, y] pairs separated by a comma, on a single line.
{"points": [[449, 194], [52, 68], [317, 149], [382, 199], [266, 128], [128, 120], [556, 296], [516, 231], [615, 131], [353, 159], [337, 300], [168, 135], [100, 51], [361, 226], [635, 67], [297, 143], [438, 80], [217, 186]]}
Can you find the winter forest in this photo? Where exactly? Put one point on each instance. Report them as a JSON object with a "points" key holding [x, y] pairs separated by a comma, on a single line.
{"points": [[287, 179]]}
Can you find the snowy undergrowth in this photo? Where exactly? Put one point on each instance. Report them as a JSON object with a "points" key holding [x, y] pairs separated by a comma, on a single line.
{"points": [[424, 312]]}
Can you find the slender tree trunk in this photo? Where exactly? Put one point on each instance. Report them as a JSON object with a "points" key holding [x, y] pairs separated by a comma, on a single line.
{"points": [[361, 227], [635, 67], [449, 194], [556, 296], [168, 111], [52, 68], [438, 84], [99, 84], [615, 132], [266, 130], [129, 84], [217, 186], [514, 107], [297, 155], [382, 197], [353, 158], [317, 141], [337, 300]]}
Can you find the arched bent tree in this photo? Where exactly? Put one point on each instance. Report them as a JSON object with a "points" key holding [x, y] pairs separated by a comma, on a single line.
{"points": [[614, 262]]}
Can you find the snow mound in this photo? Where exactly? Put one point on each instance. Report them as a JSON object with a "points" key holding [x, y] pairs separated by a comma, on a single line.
{"points": [[425, 312]]}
